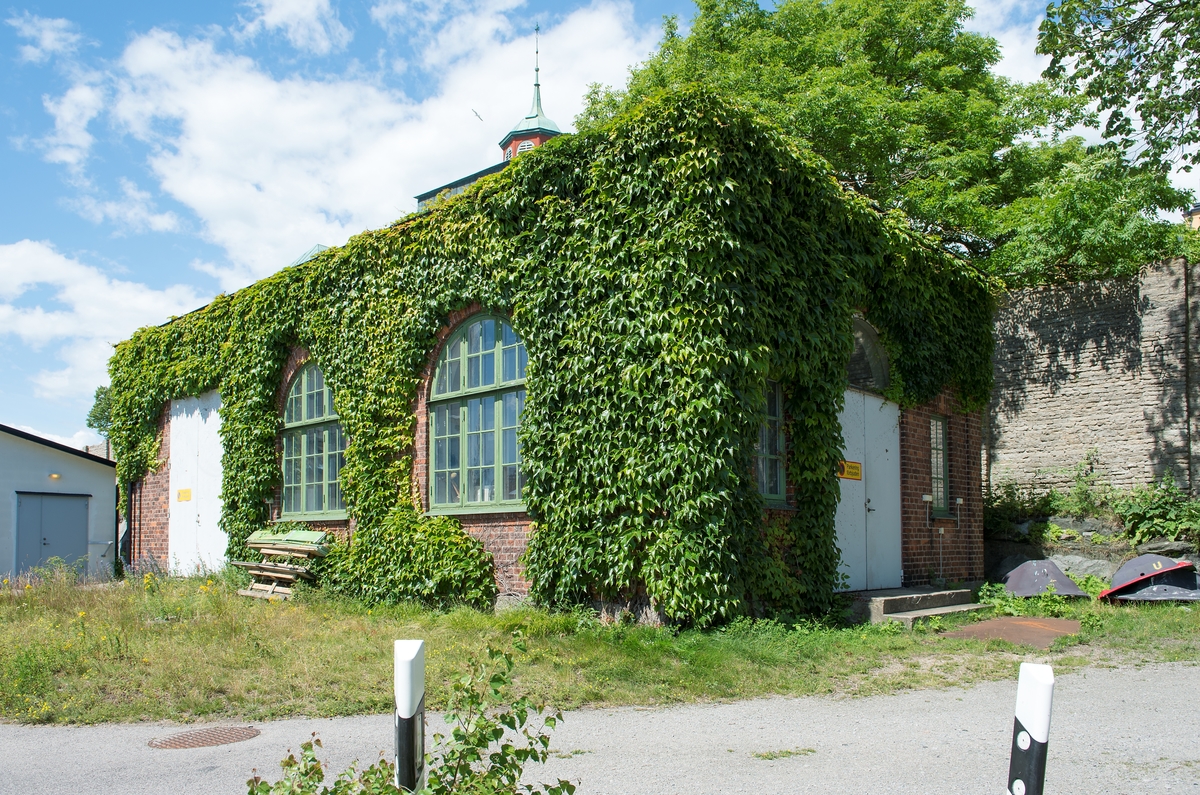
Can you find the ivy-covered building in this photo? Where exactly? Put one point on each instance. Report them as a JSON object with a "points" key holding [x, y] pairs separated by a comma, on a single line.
{"points": [[670, 363]]}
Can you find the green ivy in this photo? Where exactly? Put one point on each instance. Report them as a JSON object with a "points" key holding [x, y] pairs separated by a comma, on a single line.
{"points": [[403, 558], [660, 270]]}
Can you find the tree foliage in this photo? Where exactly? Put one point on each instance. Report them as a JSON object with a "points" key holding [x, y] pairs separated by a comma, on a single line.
{"points": [[99, 418], [660, 269], [904, 104], [1140, 62]]}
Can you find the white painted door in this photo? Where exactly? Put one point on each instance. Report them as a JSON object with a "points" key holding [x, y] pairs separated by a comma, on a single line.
{"points": [[868, 514], [851, 517], [881, 474], [195, 541]]}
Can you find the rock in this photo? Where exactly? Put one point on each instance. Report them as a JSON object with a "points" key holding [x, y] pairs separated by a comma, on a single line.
{"points": [[1023, 529], [996, 572], [1172, 549], [1084, 525], [1081, 566]]}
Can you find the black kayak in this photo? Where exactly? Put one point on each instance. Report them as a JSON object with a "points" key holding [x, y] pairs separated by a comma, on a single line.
{"points": [[1035, 577], [1154, 578]]}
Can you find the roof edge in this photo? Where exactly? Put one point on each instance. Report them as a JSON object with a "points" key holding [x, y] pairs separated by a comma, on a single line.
{"points": [[33, 437]]}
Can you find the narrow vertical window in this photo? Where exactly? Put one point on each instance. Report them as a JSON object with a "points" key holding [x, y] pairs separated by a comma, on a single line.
{"points": [[475, 409], [939, 464], [768, 454], [314, 449]]}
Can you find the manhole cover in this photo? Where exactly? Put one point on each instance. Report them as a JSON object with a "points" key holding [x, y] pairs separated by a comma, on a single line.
{"points": [[204, 738]]}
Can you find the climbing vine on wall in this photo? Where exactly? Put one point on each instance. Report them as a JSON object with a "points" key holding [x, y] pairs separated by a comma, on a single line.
{"points": [[660, 271]]}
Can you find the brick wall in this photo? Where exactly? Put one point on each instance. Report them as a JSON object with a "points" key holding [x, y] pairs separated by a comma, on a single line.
{"points": [[1103, 369], [959, 542], [150, 499], [504, 535]]}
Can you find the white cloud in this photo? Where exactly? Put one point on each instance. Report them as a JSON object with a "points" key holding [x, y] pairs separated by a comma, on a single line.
{"points": [[1014, 25], [310, 25], [271, 166], [71, 142], [89, 312], [133, 212], [48, 37], [78, 440]]}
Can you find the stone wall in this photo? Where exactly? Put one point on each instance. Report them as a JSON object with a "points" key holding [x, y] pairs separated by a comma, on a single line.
{"points": [[946, 548], [1101, 371]]}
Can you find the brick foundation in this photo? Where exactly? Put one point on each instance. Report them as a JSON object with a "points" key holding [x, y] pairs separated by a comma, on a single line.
{"points": [[959, 542], [150, 506]]}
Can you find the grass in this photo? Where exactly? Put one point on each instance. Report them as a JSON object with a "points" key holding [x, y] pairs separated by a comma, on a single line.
{"points": [[190, 649], [786, 754]]}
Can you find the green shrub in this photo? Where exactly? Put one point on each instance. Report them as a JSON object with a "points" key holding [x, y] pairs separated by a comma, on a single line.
{"points": [[1011, 504], [1158, 510], [409, 557], [478, 757]]}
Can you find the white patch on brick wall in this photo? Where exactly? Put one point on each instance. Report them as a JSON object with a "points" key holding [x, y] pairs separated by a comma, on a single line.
{"points": [[196, 542]]}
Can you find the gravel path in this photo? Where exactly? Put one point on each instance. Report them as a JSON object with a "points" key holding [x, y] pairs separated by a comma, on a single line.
{"points": [[1128, 730]]}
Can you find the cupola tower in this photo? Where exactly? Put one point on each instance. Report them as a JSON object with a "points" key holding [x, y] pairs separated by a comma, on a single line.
{"points": [[536, 128]]}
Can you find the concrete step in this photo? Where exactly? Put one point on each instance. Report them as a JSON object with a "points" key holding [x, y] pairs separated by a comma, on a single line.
{"points": [[875, 605], [909, 616]]}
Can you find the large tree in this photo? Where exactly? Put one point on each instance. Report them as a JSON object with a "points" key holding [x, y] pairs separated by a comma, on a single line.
{"points": [[904, 104], [1139, 60]]}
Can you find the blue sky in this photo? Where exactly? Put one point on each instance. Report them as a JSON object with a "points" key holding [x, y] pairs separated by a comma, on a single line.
{"points": [[156, 154]]}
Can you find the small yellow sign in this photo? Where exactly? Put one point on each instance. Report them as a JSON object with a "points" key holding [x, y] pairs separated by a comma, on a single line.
{"points": [[185, 495], [850, 470]]}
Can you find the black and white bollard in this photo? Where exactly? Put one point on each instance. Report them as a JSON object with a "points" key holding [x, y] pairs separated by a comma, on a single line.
{"points": [[410, 715], [1031, 730]]}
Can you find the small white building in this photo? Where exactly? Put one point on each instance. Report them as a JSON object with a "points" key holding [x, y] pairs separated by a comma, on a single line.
{"points": [[55, 501]]}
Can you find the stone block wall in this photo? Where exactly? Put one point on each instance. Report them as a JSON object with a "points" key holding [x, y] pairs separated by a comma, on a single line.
{"points": [[947, 548], [150, 506], [1101, 371]]}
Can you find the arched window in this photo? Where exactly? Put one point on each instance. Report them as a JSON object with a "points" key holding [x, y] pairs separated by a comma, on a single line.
{"points": [[475, 409], [524, 146], [314, 449], [868, 368]]}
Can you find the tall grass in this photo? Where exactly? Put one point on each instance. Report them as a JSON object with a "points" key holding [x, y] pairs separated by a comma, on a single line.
{"points": [[185, 649]]}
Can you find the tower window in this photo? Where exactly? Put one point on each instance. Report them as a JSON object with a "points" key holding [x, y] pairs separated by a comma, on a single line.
{"points": [[524, 146]]}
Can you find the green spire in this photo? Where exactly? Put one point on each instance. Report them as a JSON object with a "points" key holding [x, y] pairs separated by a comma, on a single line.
{"points": [[536, 120]]}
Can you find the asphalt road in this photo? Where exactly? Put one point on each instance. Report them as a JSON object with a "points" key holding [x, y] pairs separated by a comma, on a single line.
{"points": [[1130, 730]]}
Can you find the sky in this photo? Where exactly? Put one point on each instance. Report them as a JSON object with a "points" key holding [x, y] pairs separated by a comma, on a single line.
{"points": [[157, 154]]}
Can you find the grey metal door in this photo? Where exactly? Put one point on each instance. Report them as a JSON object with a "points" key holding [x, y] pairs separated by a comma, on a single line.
{"points": [[51, 526]]}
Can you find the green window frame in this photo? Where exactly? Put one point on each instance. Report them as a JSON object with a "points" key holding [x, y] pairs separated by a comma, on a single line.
{"points": [[769, 452], [314, 450], [939, 464], [475, 407]]}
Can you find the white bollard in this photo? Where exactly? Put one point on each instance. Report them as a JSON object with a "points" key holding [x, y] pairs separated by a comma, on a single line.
{"points": [[410, 715], [1031, 730]]}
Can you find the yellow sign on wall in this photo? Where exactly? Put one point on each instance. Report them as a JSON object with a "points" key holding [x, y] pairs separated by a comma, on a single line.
{"points": [[185, 495], [850, 470]]}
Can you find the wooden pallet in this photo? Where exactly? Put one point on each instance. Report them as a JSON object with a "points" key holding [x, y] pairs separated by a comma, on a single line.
{"points": [[260, 590], [273, 577]]}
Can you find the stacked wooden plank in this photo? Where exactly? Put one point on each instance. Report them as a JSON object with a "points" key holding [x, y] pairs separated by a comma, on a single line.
{"points": [[283, 558]]}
